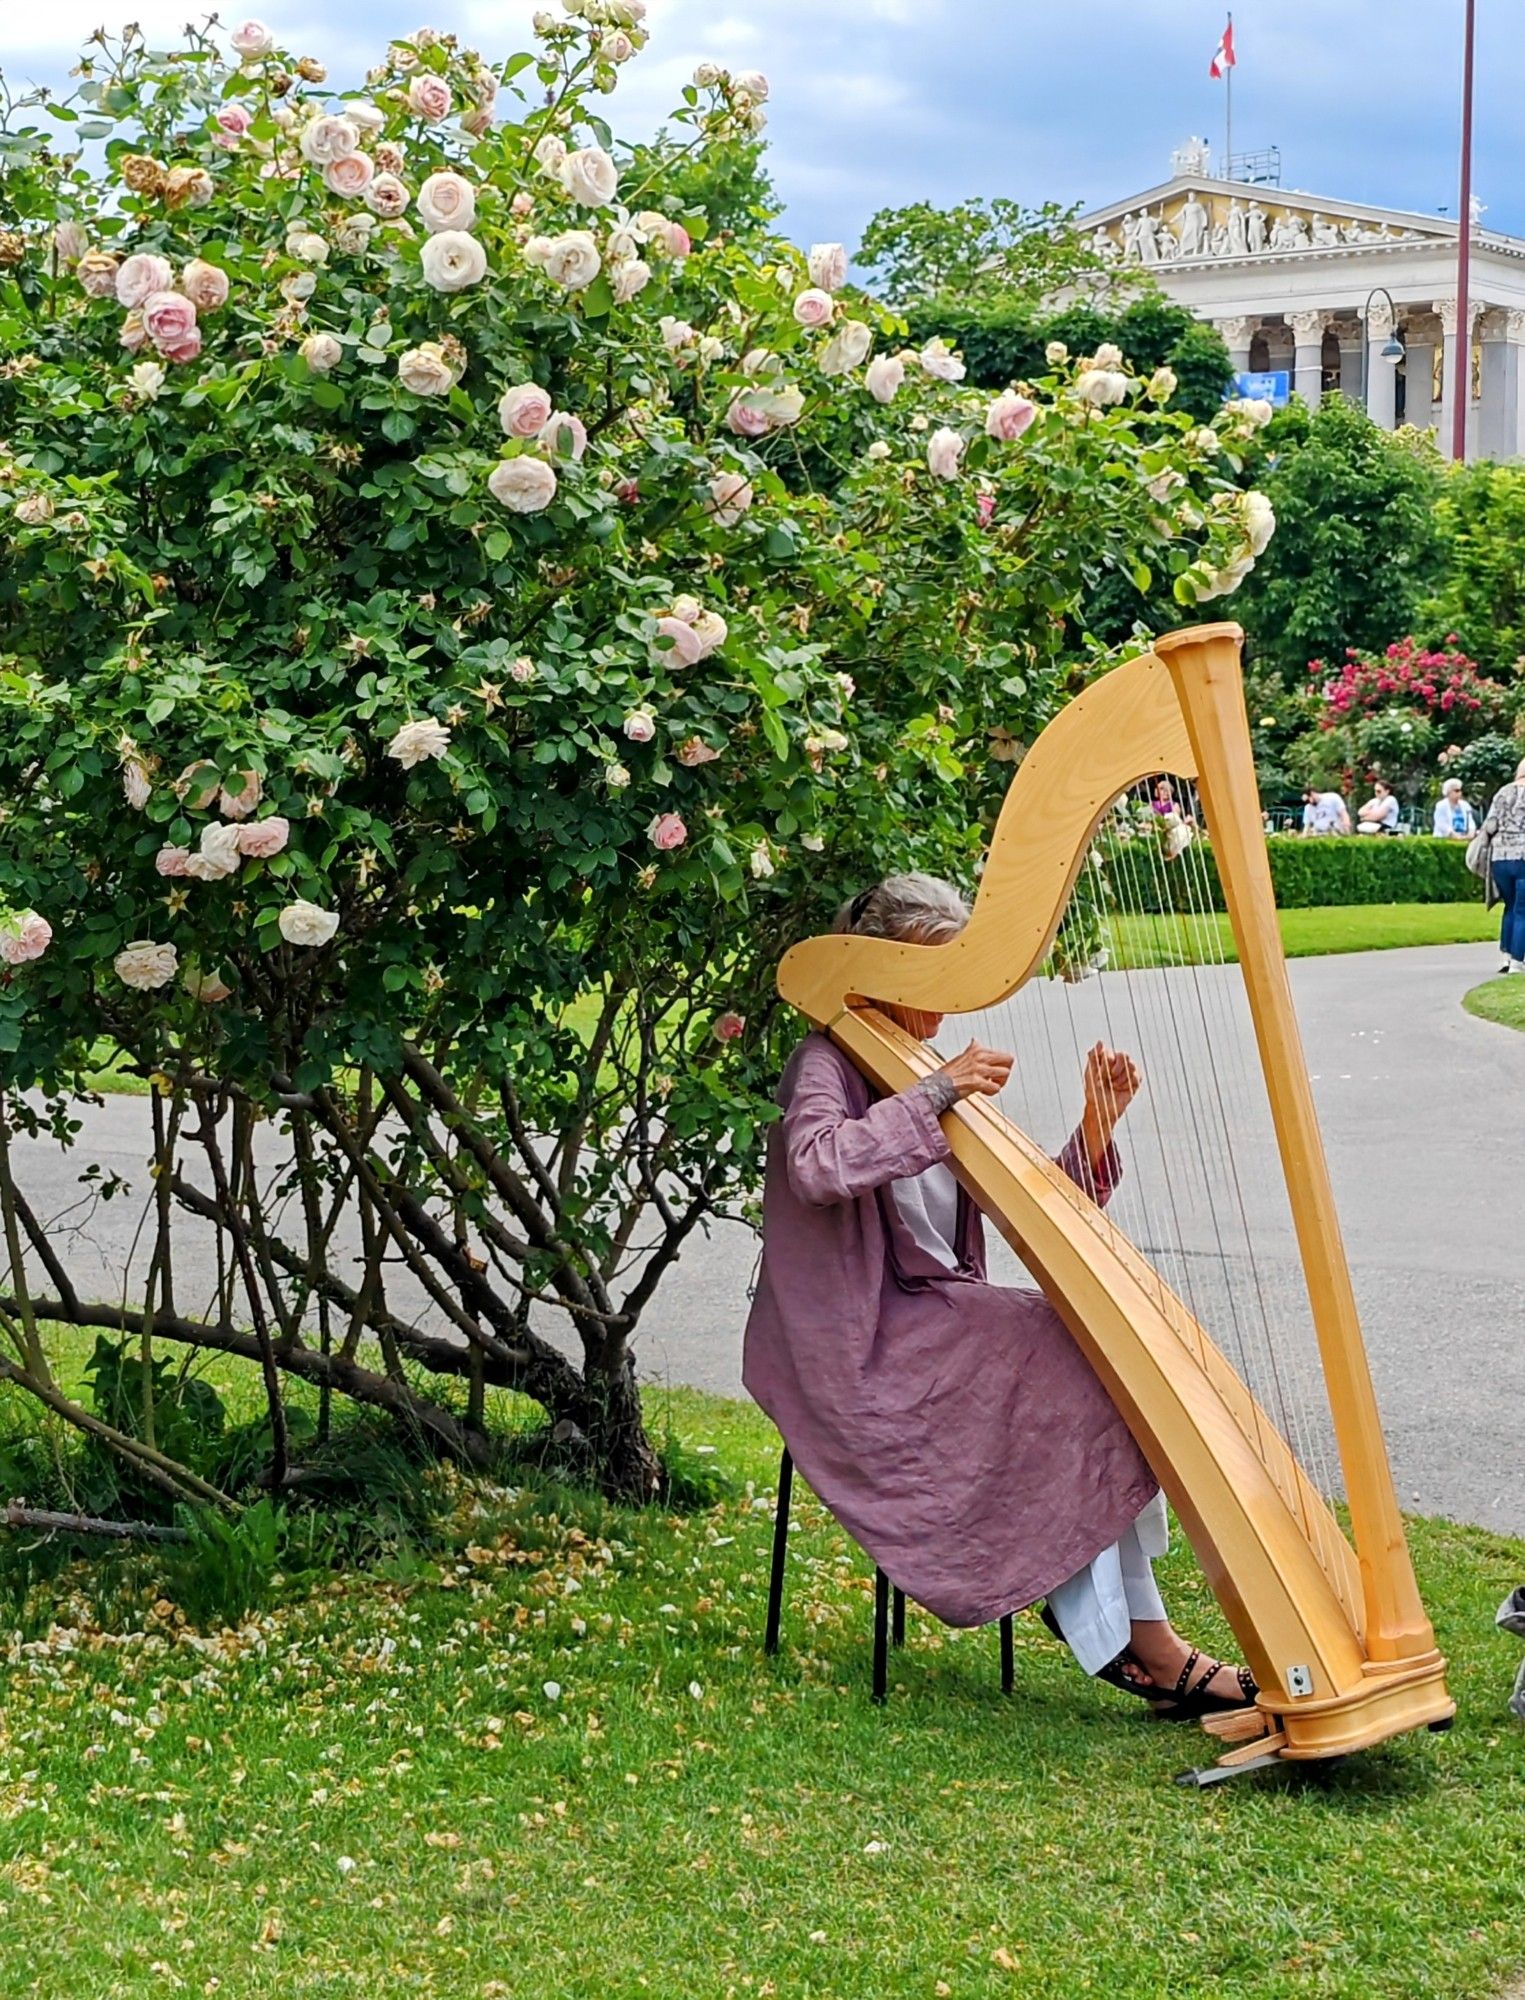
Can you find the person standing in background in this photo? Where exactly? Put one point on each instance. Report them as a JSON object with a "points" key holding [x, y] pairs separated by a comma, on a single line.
{"points": [[1505, 826]]}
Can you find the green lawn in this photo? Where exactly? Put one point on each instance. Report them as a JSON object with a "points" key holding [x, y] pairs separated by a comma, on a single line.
{"points": [[1501, 1000], [555, 1764], [1141, 940]]}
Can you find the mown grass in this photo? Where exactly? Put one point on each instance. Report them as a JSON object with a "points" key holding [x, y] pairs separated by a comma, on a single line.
{"points": [[1501, 1000], [555, 1763], [1147, 940]]}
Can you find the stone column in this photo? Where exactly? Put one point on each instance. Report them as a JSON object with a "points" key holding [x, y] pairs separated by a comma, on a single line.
{"points": [[1495, 410], [1308, 354], [1514, 418], [1352, 346], [1419, 337], [1381, 383], [1237, 334], [1454, 336]]}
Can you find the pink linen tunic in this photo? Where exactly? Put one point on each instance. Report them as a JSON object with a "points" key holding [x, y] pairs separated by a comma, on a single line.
{"points": [[952, 1426]]}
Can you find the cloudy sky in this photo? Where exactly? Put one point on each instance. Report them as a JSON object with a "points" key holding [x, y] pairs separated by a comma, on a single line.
{"points": [[879, 102]]}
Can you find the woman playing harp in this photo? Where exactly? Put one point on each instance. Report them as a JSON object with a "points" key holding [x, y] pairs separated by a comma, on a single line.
{"points": [[953, 1426]]}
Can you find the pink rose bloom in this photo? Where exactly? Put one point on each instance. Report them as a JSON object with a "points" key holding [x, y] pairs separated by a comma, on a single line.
{"points": [[387, 197], [679, 242], [252, 38], [746, 420], [730, 497], [29, 940], [814, 308], [205, 285], [264, 837], [194, 786], [640, 726], [184, 350], [695, 752], [984, 506], [944, 450], [207, 987], [429, 98], [233, 121], [350, 176], [564, 435], [667, 831], [1008, 416], [239, 804], [883, 377], [140, 277], [132, 336], [172, 860], [524, 410], [687, 648], [729, 1027], [169, 319]]}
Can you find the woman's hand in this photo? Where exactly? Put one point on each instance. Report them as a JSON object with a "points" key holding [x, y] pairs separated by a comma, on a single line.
{"points": [[1112, 1081], [978, 1071]]}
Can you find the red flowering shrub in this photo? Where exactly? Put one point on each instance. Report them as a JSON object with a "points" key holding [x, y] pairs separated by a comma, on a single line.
{"points": [[1436, 682], [1389, 714]]}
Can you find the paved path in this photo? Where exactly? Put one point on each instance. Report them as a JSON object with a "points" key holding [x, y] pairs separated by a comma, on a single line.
{"points": [[1423, 1111]]}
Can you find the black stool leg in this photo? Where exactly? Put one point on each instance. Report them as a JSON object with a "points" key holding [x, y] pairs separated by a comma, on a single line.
{"points": [[1008, 1661], [881, 1635], [897, 1616], [780, 1551]]}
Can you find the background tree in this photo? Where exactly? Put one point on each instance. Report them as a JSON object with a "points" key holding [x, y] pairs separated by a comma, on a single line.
{"points": [[1358, 545], [433, 689], [1481, 598], [985, 251]]}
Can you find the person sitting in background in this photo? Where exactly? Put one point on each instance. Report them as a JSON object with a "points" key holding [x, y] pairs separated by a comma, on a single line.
{"points": [[1454, 818], [1380, 812], [1324, 812]]}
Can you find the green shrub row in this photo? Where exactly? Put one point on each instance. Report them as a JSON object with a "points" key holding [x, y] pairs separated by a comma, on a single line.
{"points": [[1323, 874]]}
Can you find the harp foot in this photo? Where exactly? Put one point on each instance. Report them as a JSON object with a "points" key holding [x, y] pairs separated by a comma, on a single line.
{"points": [[1259, 1754], [1218, 1774]]}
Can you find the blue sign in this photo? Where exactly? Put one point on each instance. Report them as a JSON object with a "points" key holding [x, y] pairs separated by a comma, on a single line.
{"points": [[1274, 386]]}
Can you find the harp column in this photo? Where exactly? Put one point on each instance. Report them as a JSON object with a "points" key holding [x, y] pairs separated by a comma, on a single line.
{"points": [[1204, 667]]}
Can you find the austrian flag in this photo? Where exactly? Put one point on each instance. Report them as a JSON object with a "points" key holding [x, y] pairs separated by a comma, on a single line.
{"points": [[1225, 58]]}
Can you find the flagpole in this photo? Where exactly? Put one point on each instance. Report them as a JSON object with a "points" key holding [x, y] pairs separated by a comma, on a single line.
{"points": [[1461, 388], [1228, 110]]}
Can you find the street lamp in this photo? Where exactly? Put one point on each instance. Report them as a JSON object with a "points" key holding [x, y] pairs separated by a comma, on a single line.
{"points": [[1392, 348]]}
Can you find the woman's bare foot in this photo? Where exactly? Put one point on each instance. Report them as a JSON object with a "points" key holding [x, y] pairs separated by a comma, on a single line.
{"points": [[1162, 1653]]}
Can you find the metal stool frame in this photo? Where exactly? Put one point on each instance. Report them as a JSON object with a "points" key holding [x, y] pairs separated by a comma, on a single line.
{"points": [[889, 1599]]}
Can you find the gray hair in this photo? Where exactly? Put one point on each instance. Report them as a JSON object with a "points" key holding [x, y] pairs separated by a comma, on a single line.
{"points": [[1452, 785], [910, 909]]}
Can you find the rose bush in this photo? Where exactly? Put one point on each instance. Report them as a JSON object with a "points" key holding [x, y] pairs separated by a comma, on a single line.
{"points": [[432, 696]]}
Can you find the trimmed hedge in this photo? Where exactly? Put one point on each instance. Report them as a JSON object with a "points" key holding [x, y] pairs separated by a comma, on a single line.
{"points": [[1323, 874]]}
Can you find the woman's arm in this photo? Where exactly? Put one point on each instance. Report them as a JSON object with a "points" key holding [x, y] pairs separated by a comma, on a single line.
{"points": [[1091, 1159], [835, 1155]]}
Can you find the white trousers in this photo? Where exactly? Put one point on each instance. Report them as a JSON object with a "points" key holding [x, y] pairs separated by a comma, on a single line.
{"points": [[1095, 1608]]}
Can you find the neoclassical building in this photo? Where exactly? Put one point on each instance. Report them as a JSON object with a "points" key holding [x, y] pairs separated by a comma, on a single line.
{"points": [[1294, 283]]}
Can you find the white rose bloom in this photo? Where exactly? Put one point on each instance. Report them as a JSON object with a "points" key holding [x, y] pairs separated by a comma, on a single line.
{"points": [[417, 742], [675, 333], [353, 235], [365, 115], [640, 726], [1056, 353], [252, 38], [616, 777], [1107, 356], [761, 861], [846, 348], [590, 177], [940, 361], [1204, 438], [711, 349], [145, 966], [307, 247], [452, 261], [70, 242], [711, 631], [322, 352], [572, 261], [137, 787], [218, 855], [304, 923], [1101, 386], [146, 380], [630, 279], [387, 196], [1259, 521], [550, 153], [327, 139], [754, 83], [424, 371], [622, 246], [1162, 385], [707, 75], [945, 448], [878, 449], [523, 485], [1252, 410], [536, 251], [828, 265], [447, 201]]}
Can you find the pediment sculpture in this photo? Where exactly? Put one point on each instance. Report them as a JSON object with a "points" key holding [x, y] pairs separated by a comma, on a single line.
{"points": [[1202, 225]]}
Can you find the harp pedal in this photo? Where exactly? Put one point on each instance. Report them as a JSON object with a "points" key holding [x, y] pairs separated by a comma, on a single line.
{"points": [[1258, 1755], [1243, 1725]]}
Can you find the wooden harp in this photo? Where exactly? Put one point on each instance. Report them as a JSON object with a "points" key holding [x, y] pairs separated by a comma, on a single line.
{"points": [[1331, 1625]]}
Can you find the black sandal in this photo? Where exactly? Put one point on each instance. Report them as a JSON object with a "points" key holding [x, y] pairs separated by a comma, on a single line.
{"points": [[1115, 1674], [1191, 1700]]}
